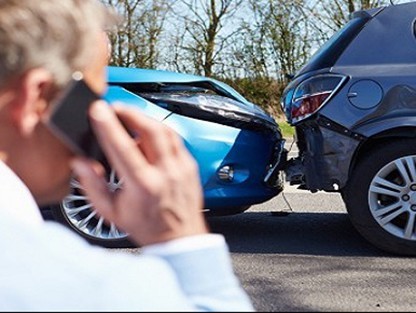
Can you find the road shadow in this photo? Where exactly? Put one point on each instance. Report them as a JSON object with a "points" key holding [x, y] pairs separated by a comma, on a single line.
{"points": [[329, 234]]}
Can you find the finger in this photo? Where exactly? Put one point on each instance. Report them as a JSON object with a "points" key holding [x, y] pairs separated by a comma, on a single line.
{"points": [[95, 186], [177, 144], [155, 138], [119, 147]]}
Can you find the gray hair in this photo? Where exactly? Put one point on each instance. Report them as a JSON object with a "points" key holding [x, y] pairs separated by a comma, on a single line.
{"points": [[52, 34]]}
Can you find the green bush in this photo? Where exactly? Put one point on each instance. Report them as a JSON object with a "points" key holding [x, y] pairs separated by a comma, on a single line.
{"points": [[287, 130], [263, 91]]}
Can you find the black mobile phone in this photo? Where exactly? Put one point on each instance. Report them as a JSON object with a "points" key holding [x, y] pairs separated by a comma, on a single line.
{"points": [[68, 118]]}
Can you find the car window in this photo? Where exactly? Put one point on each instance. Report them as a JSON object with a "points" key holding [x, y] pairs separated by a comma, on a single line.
{"points": [[328, 54]]}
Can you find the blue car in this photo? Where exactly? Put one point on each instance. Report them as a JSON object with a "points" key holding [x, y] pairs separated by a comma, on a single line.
{"points": [[238, 147]]}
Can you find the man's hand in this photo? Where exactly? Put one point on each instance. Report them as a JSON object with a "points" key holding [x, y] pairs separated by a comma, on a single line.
{"points": [[161, 196]]}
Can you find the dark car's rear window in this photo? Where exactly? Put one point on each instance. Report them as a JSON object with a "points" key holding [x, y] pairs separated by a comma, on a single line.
{"points": [[328, 54]]}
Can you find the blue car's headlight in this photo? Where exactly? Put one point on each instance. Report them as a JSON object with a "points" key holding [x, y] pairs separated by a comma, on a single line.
{"points": [[215, 108]]}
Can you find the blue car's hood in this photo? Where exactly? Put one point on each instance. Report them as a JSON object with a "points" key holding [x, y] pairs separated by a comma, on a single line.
{"points": [[152, 86], [137, 75]]}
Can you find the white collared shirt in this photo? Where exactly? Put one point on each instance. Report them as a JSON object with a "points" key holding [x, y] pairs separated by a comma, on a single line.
{"points": [[46, 267], [16, 199]]}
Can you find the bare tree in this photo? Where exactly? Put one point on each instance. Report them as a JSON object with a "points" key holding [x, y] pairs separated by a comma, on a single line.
{"points": [[274, 42], [249, 49], [330, 15], [206, 34], [288, 35], [136, 41]]}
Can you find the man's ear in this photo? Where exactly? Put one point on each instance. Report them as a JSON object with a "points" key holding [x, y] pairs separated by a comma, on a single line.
{"points": [[31, 99]]}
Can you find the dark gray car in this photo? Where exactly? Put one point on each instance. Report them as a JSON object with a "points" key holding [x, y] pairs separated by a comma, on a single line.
{"points": [[354, 108]]}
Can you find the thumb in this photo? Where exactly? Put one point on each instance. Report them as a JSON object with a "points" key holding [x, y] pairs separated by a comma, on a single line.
{"points": [[91, 176]]}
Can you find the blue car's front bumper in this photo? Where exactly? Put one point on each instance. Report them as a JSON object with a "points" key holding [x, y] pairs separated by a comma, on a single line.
{"points": [[251, 154]]}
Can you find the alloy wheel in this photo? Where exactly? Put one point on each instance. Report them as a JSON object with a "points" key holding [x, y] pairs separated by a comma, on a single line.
{"points": [[392, 197], [82, 215]]}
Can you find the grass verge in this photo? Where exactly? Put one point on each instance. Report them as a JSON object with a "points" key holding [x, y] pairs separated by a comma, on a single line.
{"points": [[287, 130]]}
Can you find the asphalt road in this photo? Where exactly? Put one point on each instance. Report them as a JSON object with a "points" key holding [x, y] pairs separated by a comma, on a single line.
{"points": [[299, 252], [303, 254]]}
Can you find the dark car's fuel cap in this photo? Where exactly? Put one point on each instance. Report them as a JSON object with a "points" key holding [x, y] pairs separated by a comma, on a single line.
{"points": [[365, 94]]}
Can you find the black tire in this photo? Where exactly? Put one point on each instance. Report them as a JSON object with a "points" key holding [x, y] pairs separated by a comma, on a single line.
{"points": [[227, 211], [370, 208], [343, 193]]}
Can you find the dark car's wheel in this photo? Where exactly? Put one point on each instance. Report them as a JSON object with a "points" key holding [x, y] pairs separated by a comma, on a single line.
{"points": [[77, 213], [381, 197]]}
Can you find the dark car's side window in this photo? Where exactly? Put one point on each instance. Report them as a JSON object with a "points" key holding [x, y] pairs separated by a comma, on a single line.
{"points": [[328, 54]]}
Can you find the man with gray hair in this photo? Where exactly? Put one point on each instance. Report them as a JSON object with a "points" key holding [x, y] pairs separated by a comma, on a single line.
{"points": [[44, 266]]}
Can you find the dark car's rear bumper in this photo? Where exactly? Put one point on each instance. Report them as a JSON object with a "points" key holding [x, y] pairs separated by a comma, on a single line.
{"points": [[325, 154]]}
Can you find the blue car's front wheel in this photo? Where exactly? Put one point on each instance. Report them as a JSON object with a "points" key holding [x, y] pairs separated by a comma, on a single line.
{"points": [[77, 213]]}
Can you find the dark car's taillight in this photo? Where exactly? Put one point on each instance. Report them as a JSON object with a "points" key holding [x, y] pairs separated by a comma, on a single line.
{"points": [[312, 94]]}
